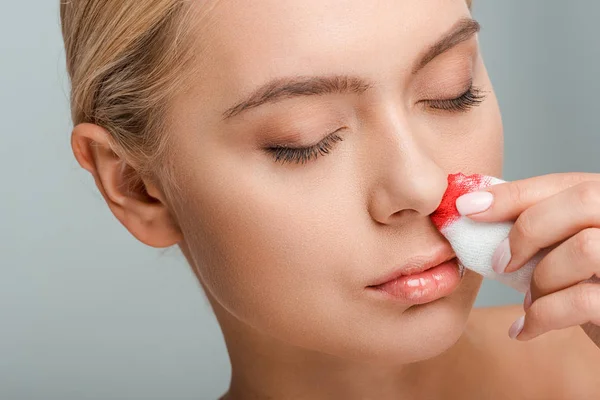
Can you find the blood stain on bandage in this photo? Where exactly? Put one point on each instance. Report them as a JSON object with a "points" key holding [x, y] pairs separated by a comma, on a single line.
{"points": [[458, 184]]}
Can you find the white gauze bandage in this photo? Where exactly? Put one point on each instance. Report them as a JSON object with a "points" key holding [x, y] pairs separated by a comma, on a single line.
{"points": [[475, 242]]}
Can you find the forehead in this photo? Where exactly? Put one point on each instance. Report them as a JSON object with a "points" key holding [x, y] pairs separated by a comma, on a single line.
{"points": [[243, 43]]}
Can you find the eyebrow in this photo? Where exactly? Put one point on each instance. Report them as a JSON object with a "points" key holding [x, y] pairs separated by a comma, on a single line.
{"points": [[283, 88], [462, 31], [299, 86]]}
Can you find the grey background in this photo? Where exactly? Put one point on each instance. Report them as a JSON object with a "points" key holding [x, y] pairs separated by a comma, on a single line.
{"points": [[90, 313]]}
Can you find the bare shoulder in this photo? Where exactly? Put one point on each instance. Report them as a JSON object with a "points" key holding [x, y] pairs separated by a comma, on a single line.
{"points": [[560, 364]]}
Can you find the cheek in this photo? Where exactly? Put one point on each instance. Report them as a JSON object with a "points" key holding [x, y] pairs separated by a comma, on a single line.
{"points": [[486, 141], [264, 245], [472, 144], [487, 145]]}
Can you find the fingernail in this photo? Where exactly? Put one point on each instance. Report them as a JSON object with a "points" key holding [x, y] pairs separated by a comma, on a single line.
{"points": [[475, 202], [516, 327], [527, 301], [501, 257]]}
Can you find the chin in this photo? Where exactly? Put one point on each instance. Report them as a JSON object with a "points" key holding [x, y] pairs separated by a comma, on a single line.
{"points": [[418, 333]]}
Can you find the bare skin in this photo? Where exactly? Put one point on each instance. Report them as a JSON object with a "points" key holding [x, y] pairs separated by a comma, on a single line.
{"points": [[487, 364], [285, 251], [558, 365]]}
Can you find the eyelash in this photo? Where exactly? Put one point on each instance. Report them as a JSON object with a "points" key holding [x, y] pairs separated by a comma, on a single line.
{"points": [[469, 99], [301, 155]]}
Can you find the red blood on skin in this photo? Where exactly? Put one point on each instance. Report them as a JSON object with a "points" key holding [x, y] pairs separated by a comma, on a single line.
{"points": [[458, 184]]}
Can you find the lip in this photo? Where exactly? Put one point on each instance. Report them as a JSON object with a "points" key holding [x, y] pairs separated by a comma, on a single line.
{"points": [[417, 264], [421, 288]]}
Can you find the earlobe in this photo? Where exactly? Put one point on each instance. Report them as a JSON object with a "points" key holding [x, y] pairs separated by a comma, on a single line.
{"points": [[146, 217]]}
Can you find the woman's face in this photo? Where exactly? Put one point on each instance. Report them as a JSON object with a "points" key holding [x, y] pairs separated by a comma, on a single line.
{"points": [[286, 242]]}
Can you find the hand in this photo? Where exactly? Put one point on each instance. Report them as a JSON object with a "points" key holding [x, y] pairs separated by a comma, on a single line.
{"points": [[559, 213]]}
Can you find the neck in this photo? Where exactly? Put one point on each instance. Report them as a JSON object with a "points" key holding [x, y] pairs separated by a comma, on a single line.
{"points": [[263, 367]]}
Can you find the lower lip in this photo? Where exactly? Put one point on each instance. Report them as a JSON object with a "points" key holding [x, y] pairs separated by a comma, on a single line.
{"points": [[424, 287]]}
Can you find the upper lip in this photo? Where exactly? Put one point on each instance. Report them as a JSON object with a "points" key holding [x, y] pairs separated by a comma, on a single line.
{"points": [[418, 263]]}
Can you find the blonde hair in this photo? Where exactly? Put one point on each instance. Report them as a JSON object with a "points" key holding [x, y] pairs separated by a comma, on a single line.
{"points": [[126, 59]]}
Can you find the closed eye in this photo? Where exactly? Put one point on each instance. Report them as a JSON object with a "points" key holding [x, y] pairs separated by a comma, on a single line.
{"points": [[301, 155], [469, 99]]}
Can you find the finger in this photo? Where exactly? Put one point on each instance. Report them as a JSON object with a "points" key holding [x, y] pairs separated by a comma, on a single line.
{"points": [[550, 221], [576, 305], [574, 261], [510, 199]]}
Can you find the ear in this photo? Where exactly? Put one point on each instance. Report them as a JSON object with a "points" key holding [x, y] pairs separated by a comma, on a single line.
{"points": [[138, 205]]}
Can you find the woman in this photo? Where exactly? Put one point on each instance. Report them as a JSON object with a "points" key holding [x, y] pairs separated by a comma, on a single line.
{"points": [[294, 151]]}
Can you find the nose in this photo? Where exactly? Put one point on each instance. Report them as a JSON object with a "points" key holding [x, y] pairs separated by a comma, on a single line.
{"points": [[408, 180]]}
